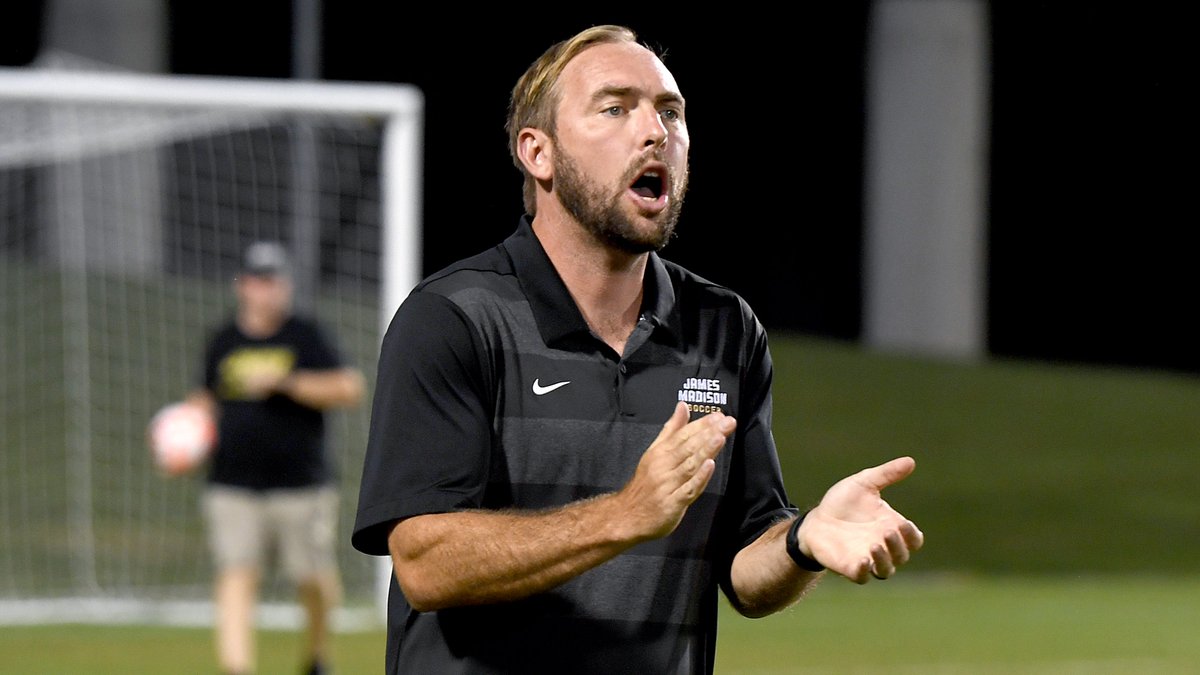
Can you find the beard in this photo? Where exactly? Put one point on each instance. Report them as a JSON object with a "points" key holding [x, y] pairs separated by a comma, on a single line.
{"points": [[601, 214]]}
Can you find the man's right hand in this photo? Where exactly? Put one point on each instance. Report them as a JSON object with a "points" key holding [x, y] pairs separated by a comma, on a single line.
{"points": [[674, 471], [482, 556]]}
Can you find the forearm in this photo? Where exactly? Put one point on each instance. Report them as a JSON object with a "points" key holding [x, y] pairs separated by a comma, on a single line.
{"points": [[764, 577], [478, 557], [204, 399], [323, 389]]}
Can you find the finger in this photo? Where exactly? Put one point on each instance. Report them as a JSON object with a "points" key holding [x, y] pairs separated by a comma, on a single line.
{"points": [[888, 473], [720, 428], [678, 429], [896, 548], [701, 448], [881, 563], [691, 489], [914, 539], [863, 572], [674, 423], [717, 422], [701, 439]]}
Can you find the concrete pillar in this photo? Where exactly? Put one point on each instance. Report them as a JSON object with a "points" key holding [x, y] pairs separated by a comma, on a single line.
{"points": [[926, 178], [122, 234], [126, 34]]}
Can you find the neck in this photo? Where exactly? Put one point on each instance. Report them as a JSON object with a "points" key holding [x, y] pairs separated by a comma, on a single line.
{"points": [[605, 283], [259, 324]]}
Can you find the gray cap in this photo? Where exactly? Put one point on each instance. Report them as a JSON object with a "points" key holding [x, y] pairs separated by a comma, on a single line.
{"points": [[265, 258]]}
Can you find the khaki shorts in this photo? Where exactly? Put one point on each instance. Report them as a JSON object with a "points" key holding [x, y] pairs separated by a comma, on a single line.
{"points": [[296, 526]]}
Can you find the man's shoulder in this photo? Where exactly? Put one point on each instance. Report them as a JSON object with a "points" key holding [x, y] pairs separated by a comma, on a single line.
{"points": [[701, 291], [224, 332], [470, 289], [480, 271], [303, 323]]}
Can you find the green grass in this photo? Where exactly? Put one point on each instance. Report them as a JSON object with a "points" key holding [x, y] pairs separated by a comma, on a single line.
{"points": [[1012, 625], [1057, 501], [919, 624], [1022, 467]]}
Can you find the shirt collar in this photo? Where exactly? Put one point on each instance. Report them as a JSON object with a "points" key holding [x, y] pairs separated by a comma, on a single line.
{"points": [[658, 297], [557, 315]]}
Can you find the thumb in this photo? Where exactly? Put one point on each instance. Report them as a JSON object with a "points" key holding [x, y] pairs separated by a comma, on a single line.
{"points": [[888, 473], [677, 420]]}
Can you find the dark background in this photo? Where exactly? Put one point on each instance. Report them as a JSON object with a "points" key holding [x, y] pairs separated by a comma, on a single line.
{"points": [[1090, 255]]}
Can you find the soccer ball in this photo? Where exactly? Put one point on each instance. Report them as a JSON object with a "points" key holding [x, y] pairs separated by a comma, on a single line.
{"points": [[181, 435]]}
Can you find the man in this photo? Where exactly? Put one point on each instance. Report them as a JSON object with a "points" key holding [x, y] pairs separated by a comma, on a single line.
{"points": [[540, 515], [269, 375]]}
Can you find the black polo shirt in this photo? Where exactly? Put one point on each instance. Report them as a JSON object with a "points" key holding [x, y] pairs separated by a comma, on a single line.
{"points": [[273, 442], [493, 393]]}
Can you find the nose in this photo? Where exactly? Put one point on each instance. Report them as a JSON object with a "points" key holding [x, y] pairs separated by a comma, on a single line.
{"points": [[654, 131]]}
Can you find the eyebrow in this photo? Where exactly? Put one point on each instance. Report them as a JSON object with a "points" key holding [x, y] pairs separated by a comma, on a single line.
{"points": [[623, 92]]}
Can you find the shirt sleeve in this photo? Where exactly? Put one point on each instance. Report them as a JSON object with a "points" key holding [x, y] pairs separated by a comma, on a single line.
{"points": [[208, 367], [765, 497], [429, 443], [757, 497], [319, 350]]}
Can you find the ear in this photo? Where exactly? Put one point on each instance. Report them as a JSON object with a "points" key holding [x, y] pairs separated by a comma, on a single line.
{"points": [[535, 150]]}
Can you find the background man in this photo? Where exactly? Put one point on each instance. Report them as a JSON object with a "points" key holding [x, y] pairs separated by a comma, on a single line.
{"points": [[269, 375]]}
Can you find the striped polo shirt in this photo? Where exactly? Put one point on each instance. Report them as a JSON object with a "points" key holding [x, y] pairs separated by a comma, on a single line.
{"points": [[493, 393]]}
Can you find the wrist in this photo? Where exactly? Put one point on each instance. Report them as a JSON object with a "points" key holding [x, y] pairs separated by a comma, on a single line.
{"points": [[792, 543], [625, 521], [285, 384]]}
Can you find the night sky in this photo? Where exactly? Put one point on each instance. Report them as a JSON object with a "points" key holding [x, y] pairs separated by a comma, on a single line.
{"points": [[1090, 254]]}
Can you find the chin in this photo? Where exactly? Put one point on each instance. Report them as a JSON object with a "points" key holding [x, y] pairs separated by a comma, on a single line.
{"points": [[651, 237]]}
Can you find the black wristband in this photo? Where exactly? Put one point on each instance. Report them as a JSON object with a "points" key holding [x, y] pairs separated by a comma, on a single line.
{"points": [[793, 548]]}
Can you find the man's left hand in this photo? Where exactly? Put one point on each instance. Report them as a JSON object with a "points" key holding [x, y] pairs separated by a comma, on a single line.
{"points": [[854, 532]]}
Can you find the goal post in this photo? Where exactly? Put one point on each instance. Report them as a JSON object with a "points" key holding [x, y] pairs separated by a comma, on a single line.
{"points": [[125, 203]]}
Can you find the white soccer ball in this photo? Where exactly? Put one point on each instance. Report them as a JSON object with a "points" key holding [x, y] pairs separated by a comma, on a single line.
{"points": [[181, 436]]}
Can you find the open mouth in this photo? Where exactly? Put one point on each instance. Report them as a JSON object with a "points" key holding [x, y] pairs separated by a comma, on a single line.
{"points": [[651, 184]]}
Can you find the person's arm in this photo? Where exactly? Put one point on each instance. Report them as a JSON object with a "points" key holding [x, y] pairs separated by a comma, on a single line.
{"points": [[204, 399], [852, 532], [323, 389], [477, 556]]}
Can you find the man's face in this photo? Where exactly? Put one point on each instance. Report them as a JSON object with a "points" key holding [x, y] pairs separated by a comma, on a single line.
{"points": [[621, 144], [269, 294]]}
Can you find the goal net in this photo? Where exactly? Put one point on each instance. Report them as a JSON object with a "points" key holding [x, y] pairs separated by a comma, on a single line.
{"points": [[126, 201]]}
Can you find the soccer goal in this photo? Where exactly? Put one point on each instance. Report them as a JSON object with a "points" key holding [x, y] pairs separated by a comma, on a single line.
{"points": [[125, 203]]}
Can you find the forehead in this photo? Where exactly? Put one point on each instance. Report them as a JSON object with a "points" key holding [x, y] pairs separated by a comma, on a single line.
{"points": [[262, 278], [620, 65]]}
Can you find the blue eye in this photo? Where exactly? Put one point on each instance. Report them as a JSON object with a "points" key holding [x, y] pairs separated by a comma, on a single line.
{"points": [[671, 114], [613, 111]]}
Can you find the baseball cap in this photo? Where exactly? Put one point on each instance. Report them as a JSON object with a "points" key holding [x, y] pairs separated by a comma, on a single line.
{"points": [[265, 258]]}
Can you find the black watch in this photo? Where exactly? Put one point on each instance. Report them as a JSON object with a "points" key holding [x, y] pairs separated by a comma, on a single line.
{"points": [[793, 548]]}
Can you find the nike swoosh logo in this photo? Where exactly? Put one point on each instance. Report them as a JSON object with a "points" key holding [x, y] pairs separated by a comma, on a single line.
{"points": [[539, 390]]}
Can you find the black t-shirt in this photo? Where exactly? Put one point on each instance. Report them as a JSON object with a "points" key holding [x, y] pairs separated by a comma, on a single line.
{"points": [[493, 393], [273, 442]]}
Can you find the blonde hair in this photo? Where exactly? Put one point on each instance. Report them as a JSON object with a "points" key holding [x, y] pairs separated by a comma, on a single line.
{"points": [[535, 96]]}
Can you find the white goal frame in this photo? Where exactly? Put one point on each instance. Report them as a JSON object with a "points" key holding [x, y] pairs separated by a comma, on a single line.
{"points": [[403, 105], [401, 158]]}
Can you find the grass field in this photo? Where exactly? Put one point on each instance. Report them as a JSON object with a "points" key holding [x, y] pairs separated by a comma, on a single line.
{"points": [[913, 625], [1022, 467], [1058, 503]]}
